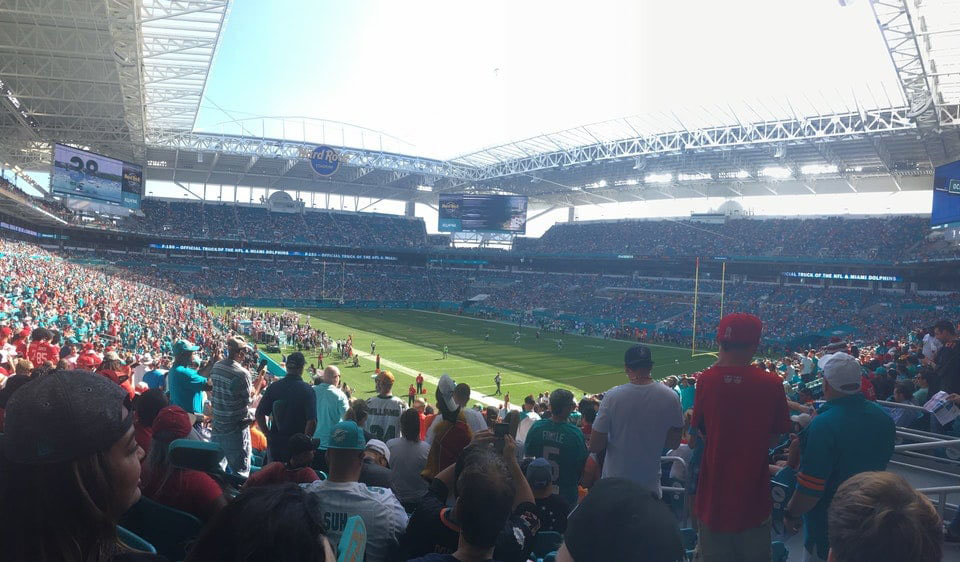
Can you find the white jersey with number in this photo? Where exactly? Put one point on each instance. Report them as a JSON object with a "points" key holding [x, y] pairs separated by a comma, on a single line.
{"points": [[382, 514], [384, 418]]}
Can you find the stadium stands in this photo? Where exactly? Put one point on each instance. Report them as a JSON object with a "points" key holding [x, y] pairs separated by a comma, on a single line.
{"points": [[878, 239], [257, 223]]}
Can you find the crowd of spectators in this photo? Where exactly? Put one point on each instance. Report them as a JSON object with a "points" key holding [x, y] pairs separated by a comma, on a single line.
{"points": [[435, 481], [583, 303], [886, 239], [258, 223], [430, 478]]}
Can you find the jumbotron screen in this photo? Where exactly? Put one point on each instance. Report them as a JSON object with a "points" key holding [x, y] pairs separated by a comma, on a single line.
{"points": [[483, 213], [946, 195], [86, 175]]}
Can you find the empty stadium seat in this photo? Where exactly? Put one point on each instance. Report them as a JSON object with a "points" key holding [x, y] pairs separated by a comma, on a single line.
{"points": [[134, 541], [780, 552], [689, 538], [169, 530]]}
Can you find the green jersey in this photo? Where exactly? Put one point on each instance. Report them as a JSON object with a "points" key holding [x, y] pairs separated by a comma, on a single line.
{"points": [[563, 445]]}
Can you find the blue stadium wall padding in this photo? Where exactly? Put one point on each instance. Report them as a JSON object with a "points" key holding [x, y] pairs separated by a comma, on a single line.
{"points": [[273, 367]]}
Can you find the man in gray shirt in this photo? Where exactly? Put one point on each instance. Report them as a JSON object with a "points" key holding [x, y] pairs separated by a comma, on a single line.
{"points": [[636, 422], [231, 399]]}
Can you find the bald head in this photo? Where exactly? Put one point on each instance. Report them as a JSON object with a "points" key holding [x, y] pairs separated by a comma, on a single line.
{"points": [[331, 375]]}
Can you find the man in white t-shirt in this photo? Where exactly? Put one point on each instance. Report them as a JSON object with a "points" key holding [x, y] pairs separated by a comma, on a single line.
{"points": [[636, 422], [527, 418], [385, 409], [931, 345], [342, 496], [806, 366]]}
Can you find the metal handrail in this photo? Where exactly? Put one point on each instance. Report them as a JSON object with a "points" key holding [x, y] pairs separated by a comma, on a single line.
{"points": [[941, 493], [903, 406], [927, 445], [685, 515]]}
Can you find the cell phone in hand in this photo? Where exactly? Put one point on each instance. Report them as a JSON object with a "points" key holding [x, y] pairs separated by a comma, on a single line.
{"points": [[500, 431]]}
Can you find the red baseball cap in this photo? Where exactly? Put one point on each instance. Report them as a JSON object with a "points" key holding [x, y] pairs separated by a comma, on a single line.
{"points": [[172, 423], [740, 328]]}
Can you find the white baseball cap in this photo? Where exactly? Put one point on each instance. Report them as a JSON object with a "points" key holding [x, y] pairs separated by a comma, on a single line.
{"points": [[445, 388], [842, 371], [380, 447], [802, 419]]}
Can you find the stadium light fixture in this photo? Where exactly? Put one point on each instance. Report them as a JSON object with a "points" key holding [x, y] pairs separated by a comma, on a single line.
{"points": [[814, 169], [776, 172], [699, 176], [658, 178], [424, 188]]}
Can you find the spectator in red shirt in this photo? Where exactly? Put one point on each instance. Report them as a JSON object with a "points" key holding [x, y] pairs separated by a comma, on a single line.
{"points": [[296, 470], [184, 489], [112, 368], [739, 409], [40, 350], [19, 342], [88, 358]]}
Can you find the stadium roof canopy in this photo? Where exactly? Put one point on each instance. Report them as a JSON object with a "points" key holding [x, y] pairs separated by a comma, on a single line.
{"points": [[126, 78]]}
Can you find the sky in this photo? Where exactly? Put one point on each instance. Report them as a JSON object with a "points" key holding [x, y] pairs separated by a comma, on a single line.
{"points": [[441, 78]]}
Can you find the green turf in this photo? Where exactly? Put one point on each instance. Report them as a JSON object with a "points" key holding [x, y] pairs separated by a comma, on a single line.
{"points": [[414, 339]]}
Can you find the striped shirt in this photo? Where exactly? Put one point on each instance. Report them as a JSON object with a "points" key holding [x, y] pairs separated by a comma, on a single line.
{"points": [[230, 397]]}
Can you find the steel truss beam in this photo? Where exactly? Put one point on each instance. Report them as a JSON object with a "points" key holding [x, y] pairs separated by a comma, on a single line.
{"points": [[854, 124], [178, 42], [125, 32], [296, 151], [898, 25]]}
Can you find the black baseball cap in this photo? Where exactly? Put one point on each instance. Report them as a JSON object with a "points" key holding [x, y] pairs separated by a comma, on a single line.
{"points": [[296, 360], [63, 416], [300, 443], [619, 519], [638, 357]]}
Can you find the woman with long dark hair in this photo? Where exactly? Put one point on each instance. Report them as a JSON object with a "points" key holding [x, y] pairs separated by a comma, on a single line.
{"points": [[264, 524], [69, 467]]}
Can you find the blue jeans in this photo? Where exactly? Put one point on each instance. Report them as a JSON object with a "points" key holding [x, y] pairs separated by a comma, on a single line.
{"points": [[236, 450]]}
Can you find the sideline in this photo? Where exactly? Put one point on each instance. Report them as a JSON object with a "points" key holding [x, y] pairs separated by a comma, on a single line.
{"points": [[476, 396]]}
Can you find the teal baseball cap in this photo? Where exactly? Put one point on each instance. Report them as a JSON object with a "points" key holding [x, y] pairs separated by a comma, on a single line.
{"points": [[347, 435], [183, 346]]}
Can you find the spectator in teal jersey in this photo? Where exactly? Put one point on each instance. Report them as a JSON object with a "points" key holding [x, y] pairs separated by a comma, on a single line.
{"points": [[185, 383], [687, 392], [561, 443], [848, 436]]}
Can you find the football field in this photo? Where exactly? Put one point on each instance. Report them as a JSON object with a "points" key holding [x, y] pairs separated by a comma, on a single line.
{"points": [[411, 341]]}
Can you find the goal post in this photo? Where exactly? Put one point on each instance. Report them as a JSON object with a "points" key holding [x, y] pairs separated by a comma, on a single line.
{"points": [[696, 304]]}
